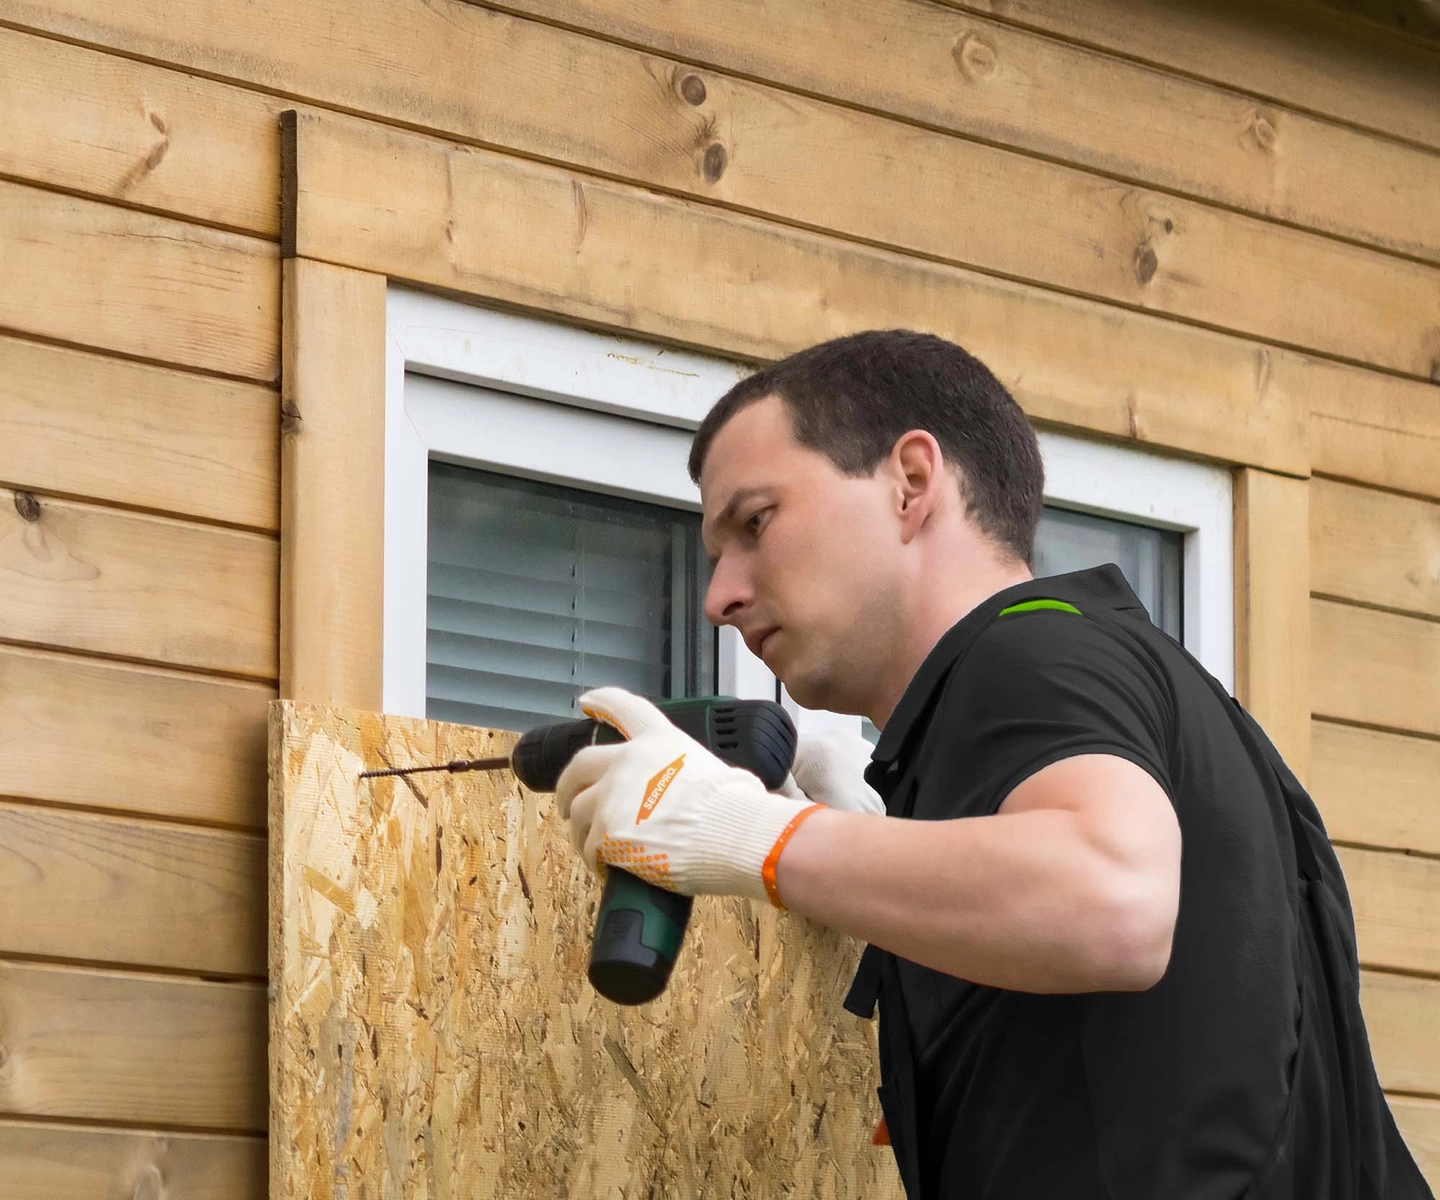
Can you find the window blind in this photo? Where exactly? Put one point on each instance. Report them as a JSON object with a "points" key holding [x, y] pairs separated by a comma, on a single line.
{"points": [[537, 592]]}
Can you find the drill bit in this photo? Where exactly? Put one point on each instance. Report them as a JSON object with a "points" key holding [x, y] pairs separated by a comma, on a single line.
{"points": [[460, 764]]}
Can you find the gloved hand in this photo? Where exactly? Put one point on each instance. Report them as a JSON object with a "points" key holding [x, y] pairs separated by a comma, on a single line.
{"points": [[830, 770], [662, 807]]}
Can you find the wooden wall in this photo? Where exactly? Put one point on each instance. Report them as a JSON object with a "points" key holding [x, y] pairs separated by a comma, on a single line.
{"points": [[1208, 227]]}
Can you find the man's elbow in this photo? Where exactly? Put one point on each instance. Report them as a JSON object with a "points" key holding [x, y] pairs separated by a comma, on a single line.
{"points": [[1133, 952]]}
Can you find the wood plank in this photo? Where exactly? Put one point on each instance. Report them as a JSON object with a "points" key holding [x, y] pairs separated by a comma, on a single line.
{"points": [[557, 95], [1296, 54], [151, 437], [145, 1049], [1372, 428], [1419, 1122], [447, 216], [1395, 897], [1404, 1034], [979, 77], [1377, 789], [332, 567], [1375, 668], [1375, 548], [48, 1161], [109, 735], [129, 131], [423, 993], [140, 893], [89, 273], [1272, 609], [99, 579]]}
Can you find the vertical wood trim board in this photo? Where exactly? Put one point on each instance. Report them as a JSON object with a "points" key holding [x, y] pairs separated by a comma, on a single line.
{"points": [[332, 518], [1272, 608]]}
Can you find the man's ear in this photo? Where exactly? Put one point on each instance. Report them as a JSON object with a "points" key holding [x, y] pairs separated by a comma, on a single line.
{"points": [[917, 472]]}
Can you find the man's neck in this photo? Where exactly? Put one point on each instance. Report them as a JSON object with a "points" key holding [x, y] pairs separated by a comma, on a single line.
{"points": [[943, 607]]}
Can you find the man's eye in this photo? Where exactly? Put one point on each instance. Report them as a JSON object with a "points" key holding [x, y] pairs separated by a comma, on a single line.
{"points": [[757, 522]]}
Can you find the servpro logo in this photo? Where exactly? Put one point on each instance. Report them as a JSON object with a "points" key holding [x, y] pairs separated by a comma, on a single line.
{"points": [[657, 787]]}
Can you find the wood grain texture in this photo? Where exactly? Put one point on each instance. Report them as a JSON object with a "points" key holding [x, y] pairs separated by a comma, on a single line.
{"points": [[48, 1161], [974, 76], [88, 425], [110, 1046], [332, 572], [1297, 54], [1419, 1122], [140, 893], [549, 93], [110, 735], [1395, 897], [433, 1030], [539, 237], [100, 579], [1404, 1035], [1377, 789], [96, 275], [1272, 608], [1371, 428], [1375, 668], [1375, 548], [138, 134]]}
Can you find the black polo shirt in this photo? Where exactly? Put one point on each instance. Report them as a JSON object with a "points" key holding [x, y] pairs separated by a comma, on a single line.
{"points": [[1178, 1091]]}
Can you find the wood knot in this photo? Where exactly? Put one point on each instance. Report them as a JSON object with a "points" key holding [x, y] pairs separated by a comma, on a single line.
{"points": [[975, 57], [714, 162], [149, 1184], [692, 88], [289, 417], [27, 506], [1145, 264], [1262, 131], [1435, 371]]}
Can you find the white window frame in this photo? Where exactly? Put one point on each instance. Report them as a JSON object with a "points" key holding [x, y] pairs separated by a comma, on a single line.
{"points": [[561, 404]]}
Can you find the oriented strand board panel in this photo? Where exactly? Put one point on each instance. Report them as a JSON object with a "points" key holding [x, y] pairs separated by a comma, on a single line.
{"points": [[143, 893], [149, 1050], [152, 287], [84, 424], [542, 238], [1377, 788], [433, 1032], [139, 134], [46, 1161], [1375, 668], [1014, 87], [100, 579], [1375, 547], [91, 733]]}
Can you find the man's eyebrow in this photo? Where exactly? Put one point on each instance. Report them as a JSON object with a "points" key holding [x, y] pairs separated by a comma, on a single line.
{"points": [[732, 506]]}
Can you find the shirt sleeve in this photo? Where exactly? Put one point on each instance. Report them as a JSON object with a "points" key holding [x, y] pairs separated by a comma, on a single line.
{"points": [[1042, 686]]}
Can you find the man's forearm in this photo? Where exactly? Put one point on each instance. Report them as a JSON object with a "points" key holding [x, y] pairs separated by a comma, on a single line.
{"points": [[1027, 901]]}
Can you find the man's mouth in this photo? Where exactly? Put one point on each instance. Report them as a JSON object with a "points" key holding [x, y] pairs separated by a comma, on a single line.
{"points": [[758, 640]]}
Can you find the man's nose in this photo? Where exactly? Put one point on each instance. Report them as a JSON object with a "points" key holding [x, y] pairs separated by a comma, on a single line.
{"points": [[728, 594]]}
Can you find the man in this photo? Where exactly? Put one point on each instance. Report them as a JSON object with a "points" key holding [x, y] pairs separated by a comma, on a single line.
{"points": [[1111, 948]]}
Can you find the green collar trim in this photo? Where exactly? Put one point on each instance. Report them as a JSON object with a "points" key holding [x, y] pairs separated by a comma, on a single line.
{"points": [[1033, 605]]}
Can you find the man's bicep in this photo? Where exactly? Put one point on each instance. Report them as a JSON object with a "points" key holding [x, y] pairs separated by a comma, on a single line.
{"points": [[1120, 804]]}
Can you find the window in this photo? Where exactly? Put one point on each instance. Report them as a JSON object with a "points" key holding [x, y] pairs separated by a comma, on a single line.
{"points": [[541, 533]]}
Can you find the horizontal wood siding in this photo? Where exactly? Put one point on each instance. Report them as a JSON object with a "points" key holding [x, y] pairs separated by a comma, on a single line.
{"points": [[1205, 228]]}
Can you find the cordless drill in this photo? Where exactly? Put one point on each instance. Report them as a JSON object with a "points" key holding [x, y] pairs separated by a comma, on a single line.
{"points": [[639, 927]]}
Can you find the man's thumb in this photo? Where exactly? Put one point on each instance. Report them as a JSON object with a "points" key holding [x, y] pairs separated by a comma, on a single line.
{"points": [[632, 715]]}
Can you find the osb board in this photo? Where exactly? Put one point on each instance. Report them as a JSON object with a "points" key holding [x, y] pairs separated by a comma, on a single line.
{"points": [[433, 1035]]}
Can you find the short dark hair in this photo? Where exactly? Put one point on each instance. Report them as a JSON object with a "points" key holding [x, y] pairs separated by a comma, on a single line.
{"points": [[852, 399]]}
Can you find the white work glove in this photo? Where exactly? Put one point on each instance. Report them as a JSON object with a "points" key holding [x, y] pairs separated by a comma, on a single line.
{"points": [[662, 807], [830, 770]]}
